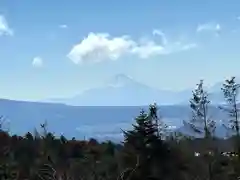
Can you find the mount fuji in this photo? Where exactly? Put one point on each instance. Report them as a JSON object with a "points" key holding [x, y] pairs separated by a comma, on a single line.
{"points": [[123, 90]]}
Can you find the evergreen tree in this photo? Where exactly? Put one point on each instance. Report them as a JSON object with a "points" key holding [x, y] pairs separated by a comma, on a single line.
{"points": [[143, 133], [152, 154], [138, 142], [230, 90], [159, 125], [200, 122]]}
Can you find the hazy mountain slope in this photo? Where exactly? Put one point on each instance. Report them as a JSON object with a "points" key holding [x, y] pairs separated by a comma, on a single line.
{"points": [[124, 91], [100, 122]]}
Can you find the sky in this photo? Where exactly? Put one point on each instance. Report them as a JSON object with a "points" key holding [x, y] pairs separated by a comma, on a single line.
{"points": [[54, 49]]}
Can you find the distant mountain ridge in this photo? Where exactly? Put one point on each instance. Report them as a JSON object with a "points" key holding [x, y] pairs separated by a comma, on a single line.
{"points": [[101, 122], [123, 90]]}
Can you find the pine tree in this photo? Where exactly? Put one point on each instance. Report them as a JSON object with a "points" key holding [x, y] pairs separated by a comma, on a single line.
{"points": [[144, 142], [138, 142], [230, 90], [159, 125], [144, 131], [200, 122]]}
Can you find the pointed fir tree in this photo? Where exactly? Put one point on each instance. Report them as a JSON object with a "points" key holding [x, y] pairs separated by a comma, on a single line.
{"points": [[145, 151], [138, 142], [200, 122], [157, 123], [144, 131]]}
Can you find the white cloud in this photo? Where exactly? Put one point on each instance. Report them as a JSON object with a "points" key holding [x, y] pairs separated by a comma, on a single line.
{"points": [[63, 26], [213, 27], [4, 27], [37, 62], [98, 47]]}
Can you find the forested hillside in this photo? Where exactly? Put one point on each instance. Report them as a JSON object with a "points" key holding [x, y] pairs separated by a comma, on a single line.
{"points": [[147, 152]]}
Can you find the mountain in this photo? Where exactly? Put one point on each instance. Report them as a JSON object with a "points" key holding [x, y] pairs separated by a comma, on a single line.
{"points": [[101, 122], [112, 107], [122, 90], [220, 131]]}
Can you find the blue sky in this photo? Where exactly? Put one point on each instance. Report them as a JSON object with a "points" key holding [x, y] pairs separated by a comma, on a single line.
{"points": [[50, 49]]}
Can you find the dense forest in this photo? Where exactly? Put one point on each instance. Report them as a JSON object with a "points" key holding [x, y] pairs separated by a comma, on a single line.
{"points": [[148, 150]]}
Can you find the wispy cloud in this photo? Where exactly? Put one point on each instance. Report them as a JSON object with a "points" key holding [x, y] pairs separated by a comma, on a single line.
{"points": [[4, 27], [97, 47], [37, 62], [63, 26], [212, 27]]}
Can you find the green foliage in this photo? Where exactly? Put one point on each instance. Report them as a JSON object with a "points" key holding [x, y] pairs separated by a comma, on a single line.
{"points": [[200, 122], [148, 151], [147, 155], [230, 90], [143, 155]]}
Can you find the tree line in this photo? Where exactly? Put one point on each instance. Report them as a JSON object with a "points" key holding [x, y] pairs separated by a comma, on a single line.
{"points": [[148, 151]]}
